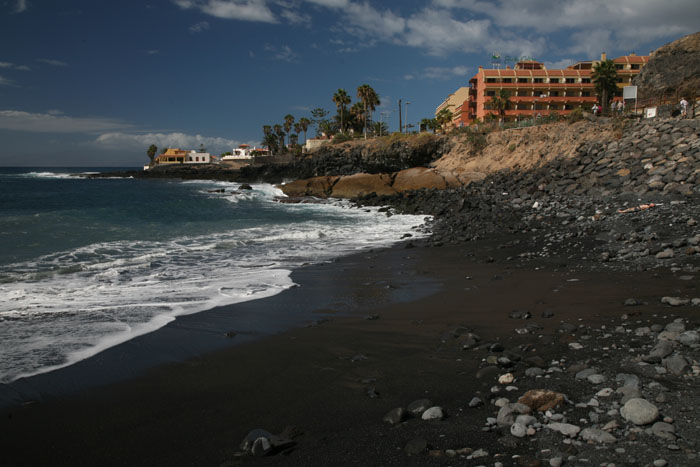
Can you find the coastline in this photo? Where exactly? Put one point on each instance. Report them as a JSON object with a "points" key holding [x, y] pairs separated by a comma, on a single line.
{"points": [[318, 379]]}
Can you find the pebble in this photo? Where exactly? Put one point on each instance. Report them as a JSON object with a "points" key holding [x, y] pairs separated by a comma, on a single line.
{"points": [[639, 411], [506, 378], [433, 413], [518, 430]]}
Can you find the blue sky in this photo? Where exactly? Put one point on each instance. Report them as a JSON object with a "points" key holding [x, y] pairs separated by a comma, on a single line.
{"points": [[95, 82]]}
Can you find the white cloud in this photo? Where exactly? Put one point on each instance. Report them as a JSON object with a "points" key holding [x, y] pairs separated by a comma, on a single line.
{"points": [[199, 27], [18, 120], [560, 64], [437, 32], [52, 62], [243, 10], [330, 3], [294, 17], [9, 65], [439, 73], [21, 6], [119, 140], [284, 53], [6, 82]]}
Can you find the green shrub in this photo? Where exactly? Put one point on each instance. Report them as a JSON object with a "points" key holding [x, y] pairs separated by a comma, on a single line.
{"points": [[511, 148], [341, 138], [575, 115]]}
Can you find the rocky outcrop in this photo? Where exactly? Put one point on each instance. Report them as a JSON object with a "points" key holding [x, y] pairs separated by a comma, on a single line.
{"points": [[672, 69], [356, 185]]}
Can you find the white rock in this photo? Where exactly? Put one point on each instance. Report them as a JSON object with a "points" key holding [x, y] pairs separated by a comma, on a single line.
{"points": [[566, 429], [506, 379], [575, 346], [605, 392], [639, 411], [433, 413], [597, 436], [518, 430]]}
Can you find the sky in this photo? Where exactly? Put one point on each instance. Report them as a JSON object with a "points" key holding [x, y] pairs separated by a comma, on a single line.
{"points": [[94, 82]]}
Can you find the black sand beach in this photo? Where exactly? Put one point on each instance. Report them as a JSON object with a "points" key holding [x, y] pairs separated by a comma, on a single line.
{"points": [[383, 333]]}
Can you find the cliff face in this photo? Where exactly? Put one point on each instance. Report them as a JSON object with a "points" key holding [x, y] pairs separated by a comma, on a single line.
{"points": [[672, 69]]}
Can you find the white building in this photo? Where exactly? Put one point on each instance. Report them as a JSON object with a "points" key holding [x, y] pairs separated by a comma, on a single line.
{"points": [[194, 157]]}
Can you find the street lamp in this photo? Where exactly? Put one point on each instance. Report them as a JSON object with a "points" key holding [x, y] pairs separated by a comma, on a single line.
{"points": [[405, 120]]}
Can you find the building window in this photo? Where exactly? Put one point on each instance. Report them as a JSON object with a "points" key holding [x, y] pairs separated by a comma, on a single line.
{"points": [[618, 67], [490, 80], [538, 80], [507, 80], [585, 80], [585, 94], [570, 80], [522, 80], [567, 106], [635, 66], [553, 80], [554, 93], [490, 93]]}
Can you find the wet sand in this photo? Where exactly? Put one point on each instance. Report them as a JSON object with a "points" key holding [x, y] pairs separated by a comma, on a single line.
{"points": [[180, 410]]}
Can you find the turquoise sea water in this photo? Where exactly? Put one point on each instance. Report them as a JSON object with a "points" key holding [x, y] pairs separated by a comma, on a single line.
{"points": [[88, 263]]}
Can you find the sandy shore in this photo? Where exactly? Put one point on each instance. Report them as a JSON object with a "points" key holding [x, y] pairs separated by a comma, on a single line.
{"points": [[374, 324]]}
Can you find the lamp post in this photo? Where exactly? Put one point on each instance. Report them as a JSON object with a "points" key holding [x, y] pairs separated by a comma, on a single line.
{"points": [[405, 120]]}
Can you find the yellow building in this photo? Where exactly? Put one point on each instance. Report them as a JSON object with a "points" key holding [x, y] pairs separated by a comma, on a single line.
{"points": [[172, 156], [454, 100]]}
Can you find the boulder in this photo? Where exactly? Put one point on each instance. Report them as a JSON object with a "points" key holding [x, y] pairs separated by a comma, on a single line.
{"points": [[353, 186], [418, 178], [541, 400], [319, 187], [639, 411]]}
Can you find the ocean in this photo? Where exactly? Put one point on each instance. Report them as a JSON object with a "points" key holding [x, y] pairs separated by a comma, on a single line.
{"points": [[86, 264]]}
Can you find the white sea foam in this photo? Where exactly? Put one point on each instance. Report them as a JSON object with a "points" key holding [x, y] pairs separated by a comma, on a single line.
{"points": [[64, 307]]}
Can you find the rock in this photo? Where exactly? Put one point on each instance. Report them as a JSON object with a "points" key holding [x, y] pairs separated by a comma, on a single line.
{"points": [[676, 326], [245, 186], [676, 364], [417, 407], [556, 461], [639, 411], [675, 301], [475, 402], [689, 338], [665, 254], [433, 413], [353, 186], [395, 416], [415, 446], [518, 430], [260, 443], [506, 378], [664, 431], [585, 373], [541, 400], [505, 414], [596, 379], [319, 187], [566, 429], [418, 178], [534, 371], [597, 436], [628, 393], [660, 350]]}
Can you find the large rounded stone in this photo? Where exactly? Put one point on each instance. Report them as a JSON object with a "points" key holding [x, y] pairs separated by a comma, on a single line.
{"points": [[541, 400], [639, 411], [395, 416], [416, 408], [433, 413]]}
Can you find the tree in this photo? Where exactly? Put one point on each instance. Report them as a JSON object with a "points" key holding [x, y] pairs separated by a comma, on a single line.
{"points": [[304, 125], [443, 118], [288, 123], [379, 128], [500, 104], [370, 100], [164, 150], [328, 128], [279, 131], [356, 119], [319, 116], [152, 150], [341, 99], [605, 78], [271, 142]]}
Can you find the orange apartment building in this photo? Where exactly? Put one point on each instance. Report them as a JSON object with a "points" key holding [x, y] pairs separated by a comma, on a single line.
{"points": [[534, 90]]}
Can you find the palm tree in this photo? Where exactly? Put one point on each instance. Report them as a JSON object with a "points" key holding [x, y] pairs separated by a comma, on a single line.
{"points": [[341, 99], [379, 128], [304, 125], [270, 140], [357, 117], [443, 118], [279, 131], [288, 122], [370, 100], [500, 103], [605, 78]]}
